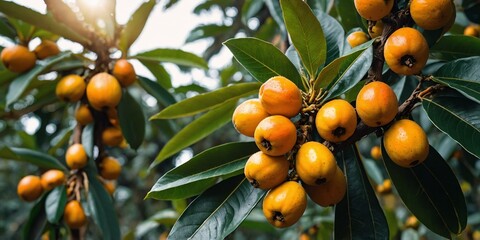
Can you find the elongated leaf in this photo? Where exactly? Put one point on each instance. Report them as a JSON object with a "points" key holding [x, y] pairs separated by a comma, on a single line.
{"points": [[218, 211], [207, 101], [132, 120], [161, 75], [334, 34], [102, 208], [358, 215], [451, 47], [306, 34], [344, 72], [55, 204], [206, 31], [135, 25], [431, 192], [457, 116], [203, 170], [462, 75], [60, 139], [18, 86], [197, 130], [6, 29], [176, 56], [33, 228], [164, 97], [31, 156], [37, 19], [262, 59]]}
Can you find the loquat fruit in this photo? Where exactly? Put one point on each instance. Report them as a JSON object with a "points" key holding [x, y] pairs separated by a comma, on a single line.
{"points": [[124, 72], [46, 48], [406, 143], [18, 58], [357, 38], [110, 168], [76, 156], [331, 192], [336, 120], [70, 88], [431, 14], [373, 10], [280, 96], [52, 178], [248, 115], [284, 205], [266, 172], [29, 188], [103, 91], [275, 135], [74, 215], [376, 104], [315, 164]]}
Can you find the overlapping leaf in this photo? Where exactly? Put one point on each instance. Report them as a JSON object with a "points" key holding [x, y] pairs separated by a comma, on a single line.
{"points": [[102, 208], [37, 219], [135, 25], [457, 116], [262, 59], [207, 101], [462, 75], [46, 22], [132, 120], [176, 56], [451, 47], [196, 130], [218, 211], [345, 72], [31, 156], [164, 97], [359, 214], [431, 192], [306, 34], [55, 204], [202, 171]]}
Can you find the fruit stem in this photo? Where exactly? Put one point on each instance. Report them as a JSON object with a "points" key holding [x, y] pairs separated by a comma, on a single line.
{"points": [[277, 216]]}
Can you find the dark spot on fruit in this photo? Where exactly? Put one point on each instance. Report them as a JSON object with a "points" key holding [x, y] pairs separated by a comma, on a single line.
{"points": [[320, 181], [338, 132]]}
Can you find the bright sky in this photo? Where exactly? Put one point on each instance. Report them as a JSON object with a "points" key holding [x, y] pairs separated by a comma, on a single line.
{"points": [[164, 29]]}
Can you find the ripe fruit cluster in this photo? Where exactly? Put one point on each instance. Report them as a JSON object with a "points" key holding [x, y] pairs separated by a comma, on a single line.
{"points": [[97, 95], [19, 58], [283, 159]]}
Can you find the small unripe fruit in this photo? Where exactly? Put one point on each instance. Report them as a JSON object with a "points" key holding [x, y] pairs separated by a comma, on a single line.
{"points": [[29, 188]]}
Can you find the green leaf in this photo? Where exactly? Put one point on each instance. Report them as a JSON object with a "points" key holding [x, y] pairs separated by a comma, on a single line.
{"points": [[348, 15], [457, 116], [18, 86], [431, 192], [160, 74], [135, 25], [6, 29], [451, 47], [176, 56], [462, 75], [102, 208], [39, 20], [276, 12], [88, 140], [359, 214], [203, 170], [37, 220], [345, 72], [132, 120], [306, 34], [334, 34], [164, 97], [206, 31], [218, 211], [197, 130], [262, 59], [31, 156], [55, 204], [207, 101]]}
